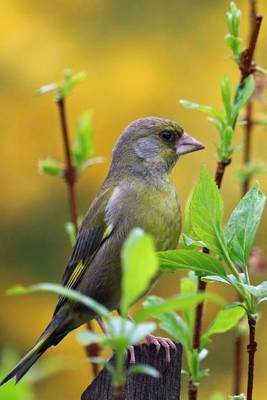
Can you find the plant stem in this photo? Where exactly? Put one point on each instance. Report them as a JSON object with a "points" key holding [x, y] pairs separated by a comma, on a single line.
{"points": [[70, 171], [247, 66], [251, 349], [118, 392], [70, 176], [192, 389], [238, 364]]}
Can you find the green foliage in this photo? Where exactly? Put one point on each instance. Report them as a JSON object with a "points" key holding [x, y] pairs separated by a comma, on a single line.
{"points": [[205, 211], [83, 144], [140, 266], [64, 88], [181, 327], [10, 392], [225, 121], [232, 245], [232, 38], [71, 232], [250, 170], [225, 320], [201, 263], [61, 291], [153, 308], [51, 167], [242, 226]]}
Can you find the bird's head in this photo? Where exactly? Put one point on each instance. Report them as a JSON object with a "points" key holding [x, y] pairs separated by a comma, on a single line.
{"points": [[152, 146]]}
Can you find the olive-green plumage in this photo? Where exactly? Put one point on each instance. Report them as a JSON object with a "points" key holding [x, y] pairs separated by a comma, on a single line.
{"points": [[138, 192]]}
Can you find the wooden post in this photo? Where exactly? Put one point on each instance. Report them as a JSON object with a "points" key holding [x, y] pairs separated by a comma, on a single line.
{"points": [[143, 387]]}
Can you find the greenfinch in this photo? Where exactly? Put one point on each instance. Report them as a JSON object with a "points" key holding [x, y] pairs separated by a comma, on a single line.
{"points": [[138, 192]]}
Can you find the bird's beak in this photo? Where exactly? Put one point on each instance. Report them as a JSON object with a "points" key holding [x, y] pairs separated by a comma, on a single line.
{"points": [[187, 144]]}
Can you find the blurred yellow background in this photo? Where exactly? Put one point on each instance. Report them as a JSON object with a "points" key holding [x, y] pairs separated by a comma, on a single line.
{"points": [[141, 57]]}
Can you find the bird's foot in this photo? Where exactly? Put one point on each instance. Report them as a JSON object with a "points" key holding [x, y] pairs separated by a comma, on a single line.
{"points": [[159, 342], [132, 359]]}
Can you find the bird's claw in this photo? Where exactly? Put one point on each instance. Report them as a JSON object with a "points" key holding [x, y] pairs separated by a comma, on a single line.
{"points": [[132, 359], [159, 342]]}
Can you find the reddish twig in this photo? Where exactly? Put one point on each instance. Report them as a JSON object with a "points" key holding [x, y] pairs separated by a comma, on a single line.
{"points": [[251, 349], [192, 389], [247, 66], [70, 176], [238, 364], [70, 171]]}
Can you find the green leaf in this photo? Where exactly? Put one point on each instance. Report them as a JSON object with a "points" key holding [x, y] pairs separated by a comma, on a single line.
{"points": [[203, 108], [83, 145], [244, 92], [188, 243], [259, 291], [70, 80], [122, 333], [176, 303], [225, 320], [71, 232], [50, 87], [51, 167], [217, 396], [206, 212], [62, 291], [143, 369], [250, 170], [242, 225], [232, 38], [188, 285], [226, 97], [201, 263], [139, 266]]}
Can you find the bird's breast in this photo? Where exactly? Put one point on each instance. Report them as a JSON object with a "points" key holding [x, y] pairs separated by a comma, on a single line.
{"points": [[157, 212]]}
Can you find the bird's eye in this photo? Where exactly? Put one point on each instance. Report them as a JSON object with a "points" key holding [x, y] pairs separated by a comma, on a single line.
{"points": [[168, 136]]}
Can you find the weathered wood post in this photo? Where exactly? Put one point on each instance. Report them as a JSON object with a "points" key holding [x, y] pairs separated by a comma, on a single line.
{"points": [[143, 387]]}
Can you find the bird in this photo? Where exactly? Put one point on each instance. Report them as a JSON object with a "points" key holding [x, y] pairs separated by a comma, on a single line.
{"points": [[137, 192]]}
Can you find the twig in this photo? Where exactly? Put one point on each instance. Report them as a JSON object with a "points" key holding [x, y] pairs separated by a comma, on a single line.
{"points": [[251, 349], [192, 389], [247, 66], [70, 171], [70, 176], [238, 364]]}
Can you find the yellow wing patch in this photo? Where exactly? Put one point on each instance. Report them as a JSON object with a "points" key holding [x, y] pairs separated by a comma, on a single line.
{"points": [[75, 274]]}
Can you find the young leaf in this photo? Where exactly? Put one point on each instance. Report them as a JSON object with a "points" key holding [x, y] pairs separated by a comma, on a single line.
{"points": [[232, 38], [259, 291], [71, 232], [143, 369], [139, 266], [189, 284], [176, 303], [242, 225], [62, 291], [243, 94], [203, 108], [226, 98], [225, 320], [83, 145], [206, 212], [201, 263], [50, 167]]}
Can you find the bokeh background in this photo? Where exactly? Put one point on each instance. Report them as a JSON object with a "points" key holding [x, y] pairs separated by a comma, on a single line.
{"points": [[141, 57]]}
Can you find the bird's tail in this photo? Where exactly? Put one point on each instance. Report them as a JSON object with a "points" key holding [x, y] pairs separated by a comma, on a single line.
{"points": [[50, 337]]}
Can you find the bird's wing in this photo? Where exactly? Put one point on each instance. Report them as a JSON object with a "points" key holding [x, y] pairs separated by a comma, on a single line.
{"points": [[93, 232]]}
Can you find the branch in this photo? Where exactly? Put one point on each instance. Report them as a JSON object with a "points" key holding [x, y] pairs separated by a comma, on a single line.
{"points": [[70, 176]]}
